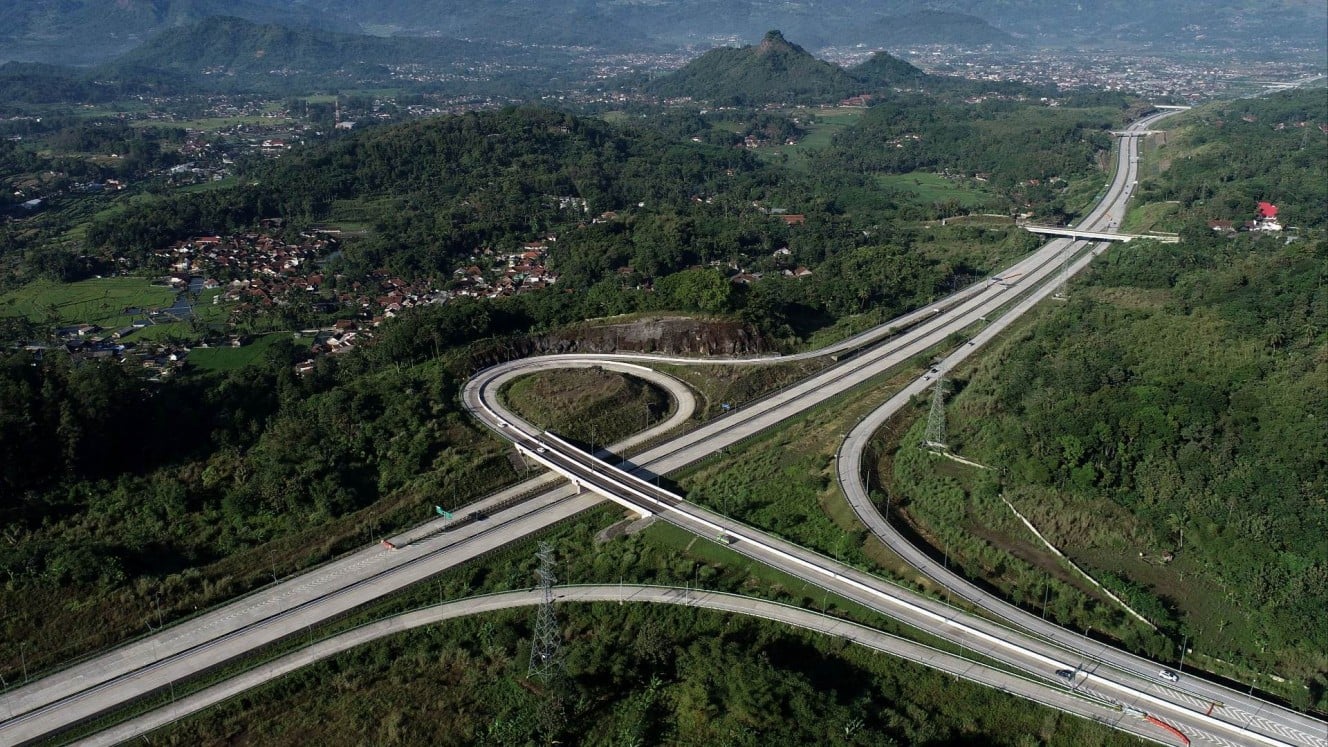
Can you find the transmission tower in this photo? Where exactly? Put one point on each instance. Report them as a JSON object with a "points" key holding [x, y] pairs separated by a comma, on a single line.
{"points": [[546, 660], [935, 437], [1062, 289]]}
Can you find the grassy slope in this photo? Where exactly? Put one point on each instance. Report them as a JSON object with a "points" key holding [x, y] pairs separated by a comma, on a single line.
{"points": [[227, 358], [829, 122], [927, 188], [587, 405]]}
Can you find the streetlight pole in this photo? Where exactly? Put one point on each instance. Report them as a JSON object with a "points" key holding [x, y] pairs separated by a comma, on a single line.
{"points": [[5, 686]]}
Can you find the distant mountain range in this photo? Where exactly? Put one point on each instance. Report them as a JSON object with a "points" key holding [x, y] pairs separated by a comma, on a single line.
{"points": [[936, 27], [234, 55], [84, 32], [222, 54], [236, 47]]}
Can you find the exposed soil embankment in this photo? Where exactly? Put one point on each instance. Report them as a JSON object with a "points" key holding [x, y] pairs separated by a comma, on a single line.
{"points": [[672, 335]]}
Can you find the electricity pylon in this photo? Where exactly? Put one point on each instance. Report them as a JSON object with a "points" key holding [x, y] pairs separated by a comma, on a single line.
{"points": [[546, 649], [935, 436]]}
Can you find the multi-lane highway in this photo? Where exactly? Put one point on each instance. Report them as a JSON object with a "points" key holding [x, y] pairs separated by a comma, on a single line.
{"points": [[1036, 690], [291, 606]]}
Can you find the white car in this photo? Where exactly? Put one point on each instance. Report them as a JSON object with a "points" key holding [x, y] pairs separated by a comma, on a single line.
{"points": [[1169, 675]]}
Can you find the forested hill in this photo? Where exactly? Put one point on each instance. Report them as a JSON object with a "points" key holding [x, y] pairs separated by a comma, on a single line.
{"points": [[434, 194], [1232, 154], [923, 134], [81, 33], [1181, 392], [38, 83], [777, 71], [225, 52], [772, 71], [883, 72], [884, 69], [443, 187]]}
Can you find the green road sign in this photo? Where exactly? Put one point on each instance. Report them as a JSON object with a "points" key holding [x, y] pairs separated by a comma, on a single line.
{"points": [[442, 513]]}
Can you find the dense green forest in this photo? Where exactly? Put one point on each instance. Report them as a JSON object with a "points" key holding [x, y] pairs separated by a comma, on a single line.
{"points": [[37, 83], [440, 191], [202, 488], [1184, 386], [1231, 155], [917, 133]]}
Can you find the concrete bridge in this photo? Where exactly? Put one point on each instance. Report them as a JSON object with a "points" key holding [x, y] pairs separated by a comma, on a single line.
{"points": [[1100, 235]]}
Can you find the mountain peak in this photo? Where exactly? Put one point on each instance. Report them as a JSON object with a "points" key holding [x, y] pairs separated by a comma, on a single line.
{"points": [[883, 68], [774, 41], [773, 71]]}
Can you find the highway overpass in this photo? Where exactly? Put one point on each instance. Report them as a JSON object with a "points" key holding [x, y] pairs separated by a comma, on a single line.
{"points": [[1099, 235]]}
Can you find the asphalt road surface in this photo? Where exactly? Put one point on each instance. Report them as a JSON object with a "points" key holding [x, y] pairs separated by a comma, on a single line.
{"points": [[1061, 696]]}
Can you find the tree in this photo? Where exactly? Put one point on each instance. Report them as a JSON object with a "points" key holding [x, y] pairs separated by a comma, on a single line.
{"points": [[701, 289]]}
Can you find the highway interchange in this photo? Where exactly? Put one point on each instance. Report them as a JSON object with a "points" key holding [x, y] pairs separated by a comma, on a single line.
{"points": [[1053, 697], [1028, 645]]}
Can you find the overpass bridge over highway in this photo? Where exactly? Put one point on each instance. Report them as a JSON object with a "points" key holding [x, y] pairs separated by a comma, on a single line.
{"points": [[1165, 238]]}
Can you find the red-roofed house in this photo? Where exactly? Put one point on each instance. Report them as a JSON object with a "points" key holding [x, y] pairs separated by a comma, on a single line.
{"points": [[1267, 220]]}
